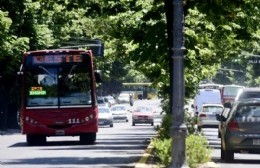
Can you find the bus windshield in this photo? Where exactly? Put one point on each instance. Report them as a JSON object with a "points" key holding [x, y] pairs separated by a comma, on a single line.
{"points": [[59, 85]]}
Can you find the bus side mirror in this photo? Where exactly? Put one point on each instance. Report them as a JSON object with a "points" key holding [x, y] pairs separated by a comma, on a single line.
{"points": [[98, 77], [19, 76]]}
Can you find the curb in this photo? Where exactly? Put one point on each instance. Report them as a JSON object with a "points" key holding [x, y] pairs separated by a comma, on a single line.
{"points": [[147, 153]]}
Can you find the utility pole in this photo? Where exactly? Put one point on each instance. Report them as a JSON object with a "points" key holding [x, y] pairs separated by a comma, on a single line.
{"points": [[178, 128]]}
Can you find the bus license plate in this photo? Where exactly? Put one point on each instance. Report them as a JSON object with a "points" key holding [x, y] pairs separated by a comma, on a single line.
{"points": [[59, 132], [256, 141]]}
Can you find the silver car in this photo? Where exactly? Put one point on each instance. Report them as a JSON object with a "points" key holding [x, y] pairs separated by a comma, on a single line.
{"points": [[207, 115], [240, 129]]}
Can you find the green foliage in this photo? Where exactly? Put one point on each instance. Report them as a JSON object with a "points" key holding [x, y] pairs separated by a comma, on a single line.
{"points": [[162, 150], [197, 151], [190, 122], [163, 131]]}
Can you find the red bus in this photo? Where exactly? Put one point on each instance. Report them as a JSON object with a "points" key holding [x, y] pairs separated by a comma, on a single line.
{"points": [[229, 93], [58, 95]]}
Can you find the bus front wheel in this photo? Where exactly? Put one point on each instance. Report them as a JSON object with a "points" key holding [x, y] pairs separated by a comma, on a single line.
{"points": [[35, 139], [87, 138]]}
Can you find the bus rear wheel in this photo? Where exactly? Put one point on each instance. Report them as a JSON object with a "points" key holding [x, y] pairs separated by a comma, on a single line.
{"points": [[87, 138], [35, 139]]}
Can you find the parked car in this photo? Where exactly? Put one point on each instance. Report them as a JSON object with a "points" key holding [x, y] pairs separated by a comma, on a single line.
{"points": [[119, 112], [207, 115], [143, 115], [105, 116], [241, 129], [123, 98]]}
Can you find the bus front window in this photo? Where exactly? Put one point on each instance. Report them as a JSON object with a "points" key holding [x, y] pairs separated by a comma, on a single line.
{"points": [[42, 87], [74, 86], [58, 86]]}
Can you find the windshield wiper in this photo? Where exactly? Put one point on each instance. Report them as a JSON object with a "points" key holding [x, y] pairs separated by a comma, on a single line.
{"points": [[50, 74]]}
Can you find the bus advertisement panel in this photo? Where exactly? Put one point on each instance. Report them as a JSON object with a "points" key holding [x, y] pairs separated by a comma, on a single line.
{"points": [[58, 95]]}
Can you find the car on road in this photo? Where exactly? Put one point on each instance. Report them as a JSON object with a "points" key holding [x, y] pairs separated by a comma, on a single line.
{"points": [[119, 112], [204, 96], [241, 129], [245, 93], [111, 100], [251, 92], [143, 115], [123, 98], [207, 115], [105, 116], [102, 102]]}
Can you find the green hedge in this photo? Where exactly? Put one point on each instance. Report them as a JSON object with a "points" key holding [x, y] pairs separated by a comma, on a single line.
{"points": [[197, 151]]}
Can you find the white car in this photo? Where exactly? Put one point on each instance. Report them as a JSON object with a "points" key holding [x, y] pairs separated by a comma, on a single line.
{"points": [[207, 115], [123, 98], [110, 100], [119, 112], [105, 116]]}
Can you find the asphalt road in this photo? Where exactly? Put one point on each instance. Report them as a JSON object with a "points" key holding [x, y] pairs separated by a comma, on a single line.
{"points": [[120, 146], [241, 160]]}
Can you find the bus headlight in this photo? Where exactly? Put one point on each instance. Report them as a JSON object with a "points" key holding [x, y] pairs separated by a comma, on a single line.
{"points": [[86, 118]]}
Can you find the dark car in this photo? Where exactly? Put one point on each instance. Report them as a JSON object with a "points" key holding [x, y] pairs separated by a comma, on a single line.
{"points": [[246, 93], [240, 130]]}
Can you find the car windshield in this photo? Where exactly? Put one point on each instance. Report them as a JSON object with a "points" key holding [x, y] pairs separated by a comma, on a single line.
{"points": [[142, 109], [103, 110], [118, 108], [212, 109]]}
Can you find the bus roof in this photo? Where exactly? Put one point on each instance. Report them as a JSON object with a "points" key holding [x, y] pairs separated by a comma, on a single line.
{"points": [[55, 51], [137, 84]]}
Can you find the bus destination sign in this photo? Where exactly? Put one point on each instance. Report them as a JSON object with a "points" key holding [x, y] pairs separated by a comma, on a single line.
{"points": [[56, 59]]}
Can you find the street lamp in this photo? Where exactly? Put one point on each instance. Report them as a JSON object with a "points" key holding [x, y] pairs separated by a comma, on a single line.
{"points": [[178, 128]]}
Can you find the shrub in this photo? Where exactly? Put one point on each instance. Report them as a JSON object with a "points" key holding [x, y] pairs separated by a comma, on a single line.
{"points": [[163, 131], [162, 150], [197, 151]]}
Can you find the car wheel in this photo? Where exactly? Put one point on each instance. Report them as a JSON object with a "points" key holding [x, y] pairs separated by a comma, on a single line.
{"points": [[152, 123], [133, 124], [229, 155], [111, 125], [126, 120]]}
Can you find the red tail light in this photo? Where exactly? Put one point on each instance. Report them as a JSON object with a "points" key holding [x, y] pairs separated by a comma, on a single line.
{"points": [[202, 115], [233, 126]]}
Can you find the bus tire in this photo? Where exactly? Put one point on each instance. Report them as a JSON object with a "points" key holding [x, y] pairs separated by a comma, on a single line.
{"points": [[87, 138], [33, 140]]}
